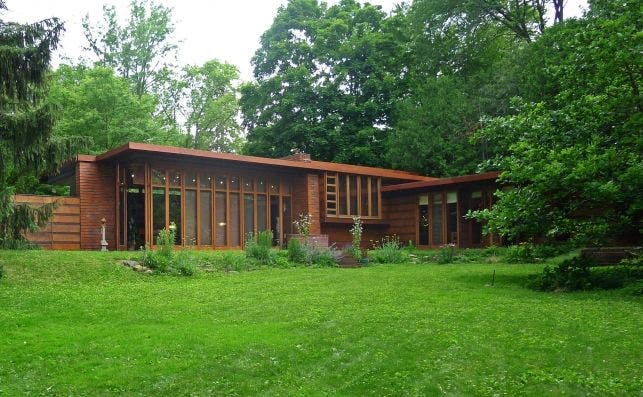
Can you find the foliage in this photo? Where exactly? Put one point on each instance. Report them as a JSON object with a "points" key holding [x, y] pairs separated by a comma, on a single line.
{"points": [[138, 50], [447, 254], [574, 144], [164, 259], [326, 80], [206, 98], [356, 231], [264, 326], [258, 247], [461, 66], [302, 224], [296, 251], [97, 104], [578, 274], [388, 250], [26, 144]]}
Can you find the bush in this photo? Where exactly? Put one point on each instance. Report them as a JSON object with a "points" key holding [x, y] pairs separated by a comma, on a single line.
{"points": [[163, 260], [446, 254], [389, 250], [578, 274], [521, 253], [258, 247], [296, 252], [1, 271]]}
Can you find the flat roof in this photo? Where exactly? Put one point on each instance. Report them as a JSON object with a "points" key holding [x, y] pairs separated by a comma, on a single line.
{"points": [[144, 148], [486, 176]]}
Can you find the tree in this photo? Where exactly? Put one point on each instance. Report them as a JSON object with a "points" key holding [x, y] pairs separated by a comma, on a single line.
{"points": [[97, 104], [462, 66], [574, 142], [138, 50], [25, 121], [212, 106], [326, 82]]}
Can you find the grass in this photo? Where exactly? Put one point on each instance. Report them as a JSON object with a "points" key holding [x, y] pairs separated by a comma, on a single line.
{"points": [[78, 324]]}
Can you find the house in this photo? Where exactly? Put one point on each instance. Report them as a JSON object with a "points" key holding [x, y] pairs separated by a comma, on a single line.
{"points": [[215, 199]]}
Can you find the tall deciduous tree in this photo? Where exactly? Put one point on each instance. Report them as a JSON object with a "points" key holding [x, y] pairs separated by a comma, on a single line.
{"points": [[102, 106], [574, 142], [461, 66], [138, 50], [326, 82], [25, 121]]}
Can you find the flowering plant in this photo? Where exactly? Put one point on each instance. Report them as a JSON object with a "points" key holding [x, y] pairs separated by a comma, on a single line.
{"points": [[302, 224]]}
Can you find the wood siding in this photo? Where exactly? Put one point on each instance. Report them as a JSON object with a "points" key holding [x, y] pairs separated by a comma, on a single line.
{"points": [[97, 200], [63, 230], [401, 213]]}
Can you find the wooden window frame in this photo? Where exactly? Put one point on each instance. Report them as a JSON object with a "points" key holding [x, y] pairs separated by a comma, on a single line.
{"points": [[371, 186]]}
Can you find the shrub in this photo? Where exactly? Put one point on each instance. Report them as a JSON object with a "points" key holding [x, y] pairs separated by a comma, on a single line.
{"points": [[302, 224], [296, 252], [258, 247], [446, 254], [356, 234], [389, 250], [1, 271], [163, 260], [578, 274], [521, 253]]}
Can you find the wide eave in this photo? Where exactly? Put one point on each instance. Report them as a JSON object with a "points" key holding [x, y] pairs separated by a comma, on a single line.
{"points": [[176, 152]]}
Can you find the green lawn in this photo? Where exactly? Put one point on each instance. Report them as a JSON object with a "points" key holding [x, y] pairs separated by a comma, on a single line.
{"points": [[78, 324]]}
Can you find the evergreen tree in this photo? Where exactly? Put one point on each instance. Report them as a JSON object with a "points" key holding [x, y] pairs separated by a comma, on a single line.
{"points": [[25, 122]]}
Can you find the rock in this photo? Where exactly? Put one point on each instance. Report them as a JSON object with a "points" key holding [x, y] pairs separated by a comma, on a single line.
{"points": [[128, 263]]}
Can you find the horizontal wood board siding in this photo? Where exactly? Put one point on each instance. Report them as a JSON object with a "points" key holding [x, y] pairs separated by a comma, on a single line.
{"points": [[63, 230]]}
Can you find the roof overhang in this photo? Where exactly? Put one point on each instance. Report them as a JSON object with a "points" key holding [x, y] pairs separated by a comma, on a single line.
{"points": [[456, 180], [184, 153]]}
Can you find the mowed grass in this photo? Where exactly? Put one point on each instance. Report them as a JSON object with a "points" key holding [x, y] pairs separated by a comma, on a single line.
{"points": [[76, 323]]}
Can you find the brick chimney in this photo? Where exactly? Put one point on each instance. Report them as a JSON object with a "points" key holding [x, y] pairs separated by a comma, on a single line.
{"points": [[298, 155]]}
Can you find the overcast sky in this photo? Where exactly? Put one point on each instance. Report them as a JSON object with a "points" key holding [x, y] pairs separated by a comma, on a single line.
{"points": [[227, 30]]}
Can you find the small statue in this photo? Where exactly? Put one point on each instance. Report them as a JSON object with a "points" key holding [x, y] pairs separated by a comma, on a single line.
{"points": [[103, 242]]}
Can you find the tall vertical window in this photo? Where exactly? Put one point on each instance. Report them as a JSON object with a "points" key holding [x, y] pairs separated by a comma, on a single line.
{"points": [[423, 224], [262, 213], [452, 218], [175, 213], [221, 222], [349, 195], [437, 213], [190, 217], [205, 216], [235, 220]]}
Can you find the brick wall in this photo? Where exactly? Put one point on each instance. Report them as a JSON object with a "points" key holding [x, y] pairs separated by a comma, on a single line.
{"points": [[306, 199], [63, 230], [96, 191]]}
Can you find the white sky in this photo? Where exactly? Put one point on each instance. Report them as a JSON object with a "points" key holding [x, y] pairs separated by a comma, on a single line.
{"points": [[228, 30]]}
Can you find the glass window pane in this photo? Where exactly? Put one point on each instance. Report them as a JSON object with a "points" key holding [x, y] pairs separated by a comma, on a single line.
{"points": [[287, 215], [206, 218], [175, 178], [190, 179], [452, 218], [190, 217], [436, 220], [234, 183], [261, 185], [262, 213], [341, 188], [221, 183], [275, 219], [175, 213], [158, 177], [235, 219], [248, 214], [135, 175], [221, 221], [205, 181], [423, 201], [158, 211], [274, 186], [375, 197], [364, 195], [353, 194], [248, 184]]}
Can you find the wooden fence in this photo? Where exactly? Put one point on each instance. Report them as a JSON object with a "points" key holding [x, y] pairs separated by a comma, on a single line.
{"points": [[63, 230]]}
